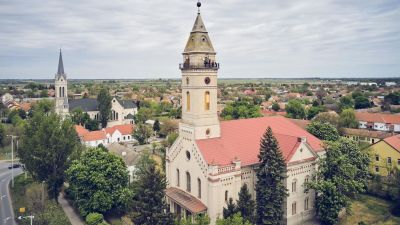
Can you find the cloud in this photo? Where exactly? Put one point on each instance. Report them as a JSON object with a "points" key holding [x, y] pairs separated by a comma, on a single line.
{"points": [[253, 38]]}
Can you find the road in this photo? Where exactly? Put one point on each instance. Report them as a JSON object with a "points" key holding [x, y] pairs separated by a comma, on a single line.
{"points": [[6, 210]]}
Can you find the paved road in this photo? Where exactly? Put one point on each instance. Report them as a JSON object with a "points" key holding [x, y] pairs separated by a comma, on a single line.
{"points": [[6, 210]]}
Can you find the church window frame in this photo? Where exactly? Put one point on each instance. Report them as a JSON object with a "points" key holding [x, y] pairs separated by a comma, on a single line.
{"points": [[187, 81], [306, 204], [294, 208], [294, 185], [188, 101], [188, 182], [178, 183], [207, 101], [198, 188], [226, 196]]}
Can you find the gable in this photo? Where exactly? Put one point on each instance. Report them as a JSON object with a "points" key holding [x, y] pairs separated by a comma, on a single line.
{"points": [[303, 152]]}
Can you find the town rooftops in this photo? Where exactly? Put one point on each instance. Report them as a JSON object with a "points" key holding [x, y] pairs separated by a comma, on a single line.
{"points": [[240, 139], [95, 135], [378, 117], [366, 133], [125, 129], [98, 135]]}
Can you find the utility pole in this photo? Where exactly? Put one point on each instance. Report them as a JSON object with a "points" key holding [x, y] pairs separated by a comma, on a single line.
{"points": [[12, 158]]}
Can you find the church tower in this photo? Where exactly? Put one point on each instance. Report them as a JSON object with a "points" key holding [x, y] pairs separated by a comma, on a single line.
{"points": [[199, 85], [61, 89]]}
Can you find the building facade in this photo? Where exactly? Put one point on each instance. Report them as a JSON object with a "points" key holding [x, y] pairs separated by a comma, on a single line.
{"points": [[61, 89], [385, 156], [211, 160]]}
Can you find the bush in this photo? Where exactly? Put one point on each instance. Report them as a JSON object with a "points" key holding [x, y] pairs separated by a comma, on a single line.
{"points": [[94, 219]]}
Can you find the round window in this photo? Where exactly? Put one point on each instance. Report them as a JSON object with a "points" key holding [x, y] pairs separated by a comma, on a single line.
{"points": [[187, 155], [207, 80]]}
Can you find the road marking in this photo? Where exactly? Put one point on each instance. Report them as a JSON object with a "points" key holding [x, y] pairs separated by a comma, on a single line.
{"points": [[3, 196], [6, 219]]}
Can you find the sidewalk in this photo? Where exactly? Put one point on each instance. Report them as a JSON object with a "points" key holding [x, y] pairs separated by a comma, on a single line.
{"points": [[73, 217]]}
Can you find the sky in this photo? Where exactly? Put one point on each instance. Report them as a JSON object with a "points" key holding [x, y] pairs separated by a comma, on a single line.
{"points": [[135, 39]]}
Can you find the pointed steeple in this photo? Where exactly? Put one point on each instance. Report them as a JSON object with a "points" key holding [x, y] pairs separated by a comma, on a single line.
{"points": [[60, 70], [199, 41]]}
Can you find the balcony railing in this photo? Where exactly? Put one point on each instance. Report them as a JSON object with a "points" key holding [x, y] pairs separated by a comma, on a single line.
{"points": [[186, 66]]}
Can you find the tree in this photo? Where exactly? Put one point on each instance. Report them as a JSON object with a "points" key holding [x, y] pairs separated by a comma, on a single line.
{"points": [[22, 113], [393, 98], [236, 219], [80, 117], [104, 100], [98, 182], [94, 219], [199, 219], [313, 111], [48, 144], [245, 204], [142, 133], [348, 119], [168, 127], [45, 106], [270, 189], [275, 106], [324, 131], [2, 135], [295, 109], [148, 205], [230, 209], [328, 117], [171, 138], [345, 102], [240, 110], [342, 175], [156, 126], [361, 102]]}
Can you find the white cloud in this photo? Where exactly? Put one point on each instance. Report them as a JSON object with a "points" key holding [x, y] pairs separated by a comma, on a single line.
{"points": [[257, 38]]}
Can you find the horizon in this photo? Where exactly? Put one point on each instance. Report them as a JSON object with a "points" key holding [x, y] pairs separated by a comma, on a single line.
{"points": [[281, 39]]}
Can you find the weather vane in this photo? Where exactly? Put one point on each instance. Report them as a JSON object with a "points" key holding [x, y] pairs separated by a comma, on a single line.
{"points": [[198, 6]]}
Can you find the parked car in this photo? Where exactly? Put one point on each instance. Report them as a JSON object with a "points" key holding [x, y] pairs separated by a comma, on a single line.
{"points": [[15, 165]]}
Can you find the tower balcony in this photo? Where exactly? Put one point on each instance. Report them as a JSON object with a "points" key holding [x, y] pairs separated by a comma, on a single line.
{"points": [[188, 66]]}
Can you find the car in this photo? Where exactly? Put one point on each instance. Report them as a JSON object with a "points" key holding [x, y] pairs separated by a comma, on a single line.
{"points": [[16, 165]]}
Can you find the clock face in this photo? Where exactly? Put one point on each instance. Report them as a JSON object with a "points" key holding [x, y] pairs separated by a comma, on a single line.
{"points": [[207, 80]]}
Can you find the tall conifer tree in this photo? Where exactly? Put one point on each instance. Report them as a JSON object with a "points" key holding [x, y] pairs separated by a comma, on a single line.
{"points": [[270, 188], [245, 204]]}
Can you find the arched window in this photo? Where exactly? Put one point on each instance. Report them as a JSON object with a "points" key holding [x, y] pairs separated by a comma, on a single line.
{"points": [[188, 185], [187, 101], [294, 185], [199, 187], [116, 116], [177, 178], [207, 100], [187, 80], [294, 208], [226, 196], [306, 203], [307, 179], [59, 92]]}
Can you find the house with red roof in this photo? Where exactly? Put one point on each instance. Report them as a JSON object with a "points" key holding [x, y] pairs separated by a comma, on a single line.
{"points": [[115, 134], [378, 121], [211, 160], [385, 155]]}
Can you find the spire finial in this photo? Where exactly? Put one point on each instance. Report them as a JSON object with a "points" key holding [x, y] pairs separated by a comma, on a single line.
{"points": [[198, 6]]}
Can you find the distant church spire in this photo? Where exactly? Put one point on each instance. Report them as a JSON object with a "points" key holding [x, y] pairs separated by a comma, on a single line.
{"points": [[60, 65]]}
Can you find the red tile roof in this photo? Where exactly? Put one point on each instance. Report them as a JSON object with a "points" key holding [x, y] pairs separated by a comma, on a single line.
{"points": [[80, 130], [186, 200], [95, 136], [241, 139], [124, 129], [394, 141], [378, 117]]}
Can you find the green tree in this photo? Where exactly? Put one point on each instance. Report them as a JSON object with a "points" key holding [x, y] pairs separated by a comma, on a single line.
{"points": [[345, 102], [48, 144], [99, 182], [80, 117], [45, 106], [328, 117], [156, 126], [324, 131], [348, 119], [2, 135], [148, 205], [168, 127], [171, 138], [271, 192], [104, 98], [143, 115], [275, 106], [245, 204], [342, 175], [295, 109], [230, 209], [236, 219], [142, 133], [198, 220], [240, 110], [361, 102], [314, 110], [94, 219], [393, 98]]}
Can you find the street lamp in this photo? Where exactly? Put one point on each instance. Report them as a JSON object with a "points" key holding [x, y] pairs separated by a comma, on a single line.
{"points": [[12, 158], [27, 217]]}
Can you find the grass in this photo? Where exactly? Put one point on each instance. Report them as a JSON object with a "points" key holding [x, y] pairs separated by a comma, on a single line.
{"points": [[27, 193], [5, 153], [370, 210]]}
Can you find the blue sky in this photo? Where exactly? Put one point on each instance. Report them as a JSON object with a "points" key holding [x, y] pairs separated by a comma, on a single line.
{"points": [[253, 38]]}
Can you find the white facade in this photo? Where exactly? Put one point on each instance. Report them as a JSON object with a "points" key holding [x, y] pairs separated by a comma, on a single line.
{"points": [[61, 89]]}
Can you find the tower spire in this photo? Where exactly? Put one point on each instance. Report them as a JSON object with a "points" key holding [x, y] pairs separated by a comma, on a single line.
{"points": [[60, 70]]}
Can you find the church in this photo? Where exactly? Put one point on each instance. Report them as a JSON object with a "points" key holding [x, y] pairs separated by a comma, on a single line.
{"points": [[122, 111], [211, 159]]}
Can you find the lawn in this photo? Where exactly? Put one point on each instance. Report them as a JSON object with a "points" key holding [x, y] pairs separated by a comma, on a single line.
{"points": [[27, 193], [370, 210]]}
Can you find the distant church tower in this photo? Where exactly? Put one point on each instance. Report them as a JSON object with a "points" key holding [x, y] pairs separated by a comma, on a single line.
{"points": [[61, 89], [199, 85]]}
